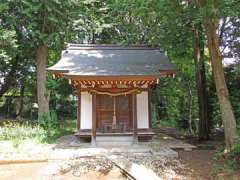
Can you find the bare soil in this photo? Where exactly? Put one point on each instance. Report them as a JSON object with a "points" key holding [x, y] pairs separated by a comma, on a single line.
{"points": [[48, 171], [203, 162], [200, 162]]}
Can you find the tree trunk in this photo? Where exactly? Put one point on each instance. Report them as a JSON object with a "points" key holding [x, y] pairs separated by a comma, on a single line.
{"points": [[228, 117], [198, 45], [190, 109], [42, 94], [19, 106]]}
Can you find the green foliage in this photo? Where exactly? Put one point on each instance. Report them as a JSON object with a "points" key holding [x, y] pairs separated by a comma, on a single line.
{"points": [[53, 119], [232, 78], [228, 164], [232, 74], [43, 121], [168, 123], [49, 19], [91, 21], [55, 128], [176, 97], [8, 46], [236, 150], [47, 122]]}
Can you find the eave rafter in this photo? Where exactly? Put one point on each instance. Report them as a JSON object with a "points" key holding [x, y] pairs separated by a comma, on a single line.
{"points": [[112, 85], [56, 75], [86, 84]]}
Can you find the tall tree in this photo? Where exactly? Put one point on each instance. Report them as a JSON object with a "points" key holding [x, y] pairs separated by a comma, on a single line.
{"points": [[46, 22], [198, 49], [211, 21]]}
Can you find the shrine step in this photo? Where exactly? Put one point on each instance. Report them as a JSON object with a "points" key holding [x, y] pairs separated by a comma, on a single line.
{"points": [[114, 140]]}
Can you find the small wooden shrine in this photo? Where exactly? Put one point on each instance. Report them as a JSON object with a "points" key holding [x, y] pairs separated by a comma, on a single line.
{"points": [[113, 85]]}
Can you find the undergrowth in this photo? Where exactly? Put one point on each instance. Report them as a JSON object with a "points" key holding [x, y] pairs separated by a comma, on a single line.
{"points": [[226, 165], [17, 132]]}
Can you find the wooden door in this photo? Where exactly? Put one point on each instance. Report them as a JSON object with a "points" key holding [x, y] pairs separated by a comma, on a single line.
{"points": [[105, 113]]}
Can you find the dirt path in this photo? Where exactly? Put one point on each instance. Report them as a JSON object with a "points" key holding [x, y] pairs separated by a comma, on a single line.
{"points": [[27, 171], [49, 171], [200, 162]]}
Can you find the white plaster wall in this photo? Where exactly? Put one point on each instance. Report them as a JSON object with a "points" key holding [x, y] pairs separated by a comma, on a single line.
{"points": [[86, 110], [142, 110]]}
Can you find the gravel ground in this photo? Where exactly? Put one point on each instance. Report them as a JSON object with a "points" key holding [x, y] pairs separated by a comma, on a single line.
{"points": [[82, 165], [165, 168]]}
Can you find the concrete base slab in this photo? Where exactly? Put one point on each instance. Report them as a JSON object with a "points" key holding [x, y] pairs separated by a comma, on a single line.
{"points": [[137, 149], [119, 141], [112, 144]]}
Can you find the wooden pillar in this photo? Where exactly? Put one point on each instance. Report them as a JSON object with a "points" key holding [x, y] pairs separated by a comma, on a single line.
{"points": [[134, 115], [79, 111], [150, 108], [94, 120], [114, 124]]}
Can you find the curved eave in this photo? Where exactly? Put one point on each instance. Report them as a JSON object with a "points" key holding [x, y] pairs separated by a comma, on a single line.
{"points": [[106, 76], [57, 70]]}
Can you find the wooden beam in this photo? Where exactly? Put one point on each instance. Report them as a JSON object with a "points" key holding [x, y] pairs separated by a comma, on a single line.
{"points": [[134, 116], [94, 119], [93, 84], [113, 89], [152, 82], [150, 108], [79, 111]]}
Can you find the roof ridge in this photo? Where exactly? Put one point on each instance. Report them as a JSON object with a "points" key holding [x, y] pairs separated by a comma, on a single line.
{"points": [[109, 47]]}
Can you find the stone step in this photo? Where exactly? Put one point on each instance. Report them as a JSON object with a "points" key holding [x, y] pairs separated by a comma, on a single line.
{"points": [[114, 144], [114, 138]]}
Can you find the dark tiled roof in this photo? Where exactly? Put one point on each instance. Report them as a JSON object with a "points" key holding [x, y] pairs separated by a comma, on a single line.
{"points": [[112, 60]]}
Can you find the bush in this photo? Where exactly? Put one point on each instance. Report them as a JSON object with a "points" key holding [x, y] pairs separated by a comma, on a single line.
{"points": [[48, 122], [236, 150]]}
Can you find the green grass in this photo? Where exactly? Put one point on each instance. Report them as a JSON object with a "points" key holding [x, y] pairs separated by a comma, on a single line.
{"points": [[17, 132], [14, 130]]}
